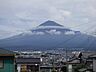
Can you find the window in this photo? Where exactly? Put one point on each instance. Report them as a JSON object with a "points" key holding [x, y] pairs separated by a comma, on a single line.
{"points": [[1, 63]]}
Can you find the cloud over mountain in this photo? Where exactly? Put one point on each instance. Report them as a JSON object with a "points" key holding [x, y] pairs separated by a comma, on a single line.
{"points": [[49, 35]]}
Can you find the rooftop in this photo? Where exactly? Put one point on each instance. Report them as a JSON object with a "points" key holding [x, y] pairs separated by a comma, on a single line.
{"points": [[28, 61], [4, 52]]}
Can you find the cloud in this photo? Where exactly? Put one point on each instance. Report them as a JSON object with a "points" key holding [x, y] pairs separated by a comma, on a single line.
{"points": [[65, 13], [33, 33], [39, 33], [91, 11], [21, 15], [53, 31], [70, 33]]}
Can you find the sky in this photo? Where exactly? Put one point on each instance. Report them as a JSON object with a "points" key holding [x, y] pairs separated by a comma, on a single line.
{"points": [[17, 16]]}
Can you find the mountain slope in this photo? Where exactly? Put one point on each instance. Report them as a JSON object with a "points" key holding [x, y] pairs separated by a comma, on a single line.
{"points": [[49, 35], [50, 23]]}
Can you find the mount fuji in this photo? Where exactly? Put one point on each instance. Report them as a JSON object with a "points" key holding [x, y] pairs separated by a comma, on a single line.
{"points": [[49, 35]]}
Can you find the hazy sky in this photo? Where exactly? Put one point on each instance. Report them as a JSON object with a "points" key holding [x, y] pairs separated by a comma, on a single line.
{"points": [[17, 16]]}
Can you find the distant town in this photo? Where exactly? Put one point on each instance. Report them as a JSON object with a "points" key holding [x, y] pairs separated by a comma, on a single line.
{"points": [[56, 60]]}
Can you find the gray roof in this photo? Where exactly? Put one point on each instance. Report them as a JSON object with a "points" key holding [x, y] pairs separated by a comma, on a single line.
{"points": [[74, 61], [6, 52], [93, 56], [28, 61], [48, 67]]}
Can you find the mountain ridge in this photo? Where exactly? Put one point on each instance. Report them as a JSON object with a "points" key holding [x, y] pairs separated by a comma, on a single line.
{"points": [[50, 23], [49, 38]]}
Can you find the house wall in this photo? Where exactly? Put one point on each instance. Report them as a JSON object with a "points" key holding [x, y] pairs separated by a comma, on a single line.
{"points": [[8, 66]]}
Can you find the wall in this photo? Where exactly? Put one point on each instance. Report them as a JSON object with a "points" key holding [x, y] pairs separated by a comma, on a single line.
{"points": [[8, 66]]}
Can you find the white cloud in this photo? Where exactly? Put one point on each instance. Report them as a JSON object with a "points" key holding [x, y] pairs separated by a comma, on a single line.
{"points": [[22, 15], [38, 33], [57, 14], [86, 20], [32, 33], [53, 31], [57, 33], [70, 32], [91, 11], [65, 13]]}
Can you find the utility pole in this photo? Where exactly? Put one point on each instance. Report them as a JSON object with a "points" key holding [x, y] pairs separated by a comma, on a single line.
{"points": [[66, 54], [66, 59]]}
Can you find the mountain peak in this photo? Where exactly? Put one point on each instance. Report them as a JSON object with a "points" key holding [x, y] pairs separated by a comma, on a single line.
{"points": [[50, 23]]}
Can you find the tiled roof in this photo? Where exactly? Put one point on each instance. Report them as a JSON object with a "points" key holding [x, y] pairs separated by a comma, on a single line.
{"points": [[28, 61]]}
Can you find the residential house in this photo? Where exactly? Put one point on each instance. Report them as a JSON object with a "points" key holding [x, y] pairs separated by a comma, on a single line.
{"points": [[7, 60]]}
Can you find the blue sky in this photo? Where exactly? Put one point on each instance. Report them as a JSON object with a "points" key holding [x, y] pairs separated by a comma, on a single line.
{"points": [[17, 16]]}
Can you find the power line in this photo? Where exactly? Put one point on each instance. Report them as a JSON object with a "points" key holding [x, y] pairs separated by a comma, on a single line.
{"points": [[80, 25], [73, 37]]}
